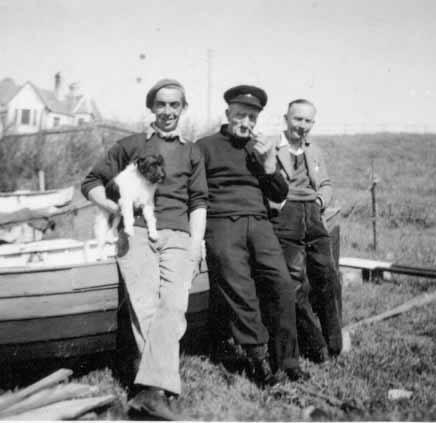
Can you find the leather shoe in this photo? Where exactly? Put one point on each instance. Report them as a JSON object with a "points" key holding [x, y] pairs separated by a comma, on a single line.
{"points": [[295, 373], [150, 403], [263, 375], [320, 356]]}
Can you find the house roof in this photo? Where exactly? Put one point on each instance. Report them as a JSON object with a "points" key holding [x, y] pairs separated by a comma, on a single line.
{"points": [[86, 105], [8, 89], [51, 101], [70, 105]]}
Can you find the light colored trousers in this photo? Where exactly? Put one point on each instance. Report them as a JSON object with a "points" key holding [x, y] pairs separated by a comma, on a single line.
{"points": [[158, 277]]}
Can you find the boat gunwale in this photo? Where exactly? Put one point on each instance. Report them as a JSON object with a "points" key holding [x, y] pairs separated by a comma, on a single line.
{"points": [[51, 267]]}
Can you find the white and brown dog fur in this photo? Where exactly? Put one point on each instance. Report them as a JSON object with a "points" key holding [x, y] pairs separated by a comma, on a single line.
{"points": [[133, 188]]}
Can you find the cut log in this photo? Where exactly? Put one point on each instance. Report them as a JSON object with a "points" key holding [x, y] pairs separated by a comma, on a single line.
{"points": [[419, 301], [49, 381], [65, 410], [47, 396]]}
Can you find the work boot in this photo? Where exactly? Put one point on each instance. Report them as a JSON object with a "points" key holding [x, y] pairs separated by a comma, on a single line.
{"points": [[263, 375], [295, 374], [320, 356], [150, 403], [261, 372]]}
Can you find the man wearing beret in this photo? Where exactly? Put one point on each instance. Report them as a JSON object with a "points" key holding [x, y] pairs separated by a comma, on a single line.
{"points": [[251, 293], [158, 273], [303, 236]]}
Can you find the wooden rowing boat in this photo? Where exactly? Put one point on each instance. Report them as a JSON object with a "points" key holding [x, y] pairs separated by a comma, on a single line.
{"points": [[11, 202], [57, 300]]}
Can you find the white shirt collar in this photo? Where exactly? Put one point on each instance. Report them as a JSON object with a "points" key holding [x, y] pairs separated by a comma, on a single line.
{"points": [[285, 143], [173, 134]]}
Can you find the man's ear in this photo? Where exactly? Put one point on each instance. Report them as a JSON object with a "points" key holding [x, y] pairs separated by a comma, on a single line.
{"points": [[285, 119], [227, 114]]}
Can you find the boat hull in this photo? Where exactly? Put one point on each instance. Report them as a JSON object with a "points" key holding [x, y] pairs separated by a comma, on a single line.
{"points": [[64, 310]]}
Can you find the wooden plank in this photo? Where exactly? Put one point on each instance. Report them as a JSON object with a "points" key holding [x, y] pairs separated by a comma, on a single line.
{"points": [[360, 263], [58, 327], [418, 301], [198, 302], [51, 380], [62, 348], [200, 283], [29, 307], [197, 320], [65, 410], [45, 245], [53, 281], [42, 268], [378, 267], [12, 202], [47, 396]]}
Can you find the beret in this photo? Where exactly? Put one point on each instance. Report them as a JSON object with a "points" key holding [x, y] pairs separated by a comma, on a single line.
{"points": [[161, 84], [247, 94]]}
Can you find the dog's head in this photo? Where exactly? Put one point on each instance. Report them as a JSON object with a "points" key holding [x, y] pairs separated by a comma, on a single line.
{"points": [[151, 167]]}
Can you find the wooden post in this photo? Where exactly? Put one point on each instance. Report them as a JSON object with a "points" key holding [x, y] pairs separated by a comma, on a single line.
{"points": [[41, 180], [374, 206]]}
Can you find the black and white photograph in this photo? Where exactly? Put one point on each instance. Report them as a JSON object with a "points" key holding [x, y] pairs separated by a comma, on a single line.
{"points": [[218, 211]]}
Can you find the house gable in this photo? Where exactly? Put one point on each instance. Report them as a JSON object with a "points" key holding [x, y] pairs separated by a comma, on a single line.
{"points": [[30, 108]]}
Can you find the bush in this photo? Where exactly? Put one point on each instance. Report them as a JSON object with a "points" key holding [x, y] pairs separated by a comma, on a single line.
{"points": [[65, 156]]}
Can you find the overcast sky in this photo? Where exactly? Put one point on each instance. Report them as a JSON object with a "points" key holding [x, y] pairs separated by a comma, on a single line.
{"points": [[361, 61]]}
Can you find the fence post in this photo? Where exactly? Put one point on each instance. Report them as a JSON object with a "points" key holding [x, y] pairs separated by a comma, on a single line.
{"points": [[41, 180], [374, 206]]}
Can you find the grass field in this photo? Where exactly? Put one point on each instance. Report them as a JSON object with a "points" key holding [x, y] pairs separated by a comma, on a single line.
{"points": [[397, 353]]}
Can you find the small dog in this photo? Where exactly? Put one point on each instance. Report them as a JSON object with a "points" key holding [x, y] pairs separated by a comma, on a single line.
{"points": [[134, 187]]}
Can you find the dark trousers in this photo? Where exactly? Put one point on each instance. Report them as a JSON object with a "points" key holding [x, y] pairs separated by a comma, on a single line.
{"points": [[307, 250], [252, 297]]}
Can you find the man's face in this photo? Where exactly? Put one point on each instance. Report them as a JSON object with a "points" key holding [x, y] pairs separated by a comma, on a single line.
{"points": [[168, 105], [300, 120], [242, 119]]}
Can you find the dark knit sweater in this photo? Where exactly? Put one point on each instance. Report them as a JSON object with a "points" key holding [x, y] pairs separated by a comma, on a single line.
{"points": [[183, 190], [238, 185]]}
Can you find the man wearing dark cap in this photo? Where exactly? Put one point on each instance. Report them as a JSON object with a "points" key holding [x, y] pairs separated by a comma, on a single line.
{"points": [[251, 293], [158, 274]]}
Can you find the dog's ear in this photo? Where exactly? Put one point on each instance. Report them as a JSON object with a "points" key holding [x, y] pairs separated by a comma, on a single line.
{"points": [[141, 161]]}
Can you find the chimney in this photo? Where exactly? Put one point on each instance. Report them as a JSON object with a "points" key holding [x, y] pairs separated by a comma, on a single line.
{"points": [[57, 85], [74, 89]]}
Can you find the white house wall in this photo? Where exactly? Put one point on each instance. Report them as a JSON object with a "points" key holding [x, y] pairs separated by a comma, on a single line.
{"points": [[83, 118], [26, 99], [54, 120]]}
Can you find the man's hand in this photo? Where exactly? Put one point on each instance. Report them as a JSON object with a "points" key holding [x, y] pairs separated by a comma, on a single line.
{"points": [[195, 255], [111, 207], [97, 195], [267, 152]]}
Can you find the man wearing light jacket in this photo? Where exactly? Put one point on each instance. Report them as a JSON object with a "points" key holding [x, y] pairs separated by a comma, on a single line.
{"points": [[299, 225]]}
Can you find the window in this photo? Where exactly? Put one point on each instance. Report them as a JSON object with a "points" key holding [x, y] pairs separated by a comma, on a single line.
{"points": [[56, 121], [25, 117], [35, 116]]}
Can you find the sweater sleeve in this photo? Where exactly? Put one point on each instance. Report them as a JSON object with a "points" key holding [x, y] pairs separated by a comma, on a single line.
{"points": [[113, 162], [197, 187]]}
